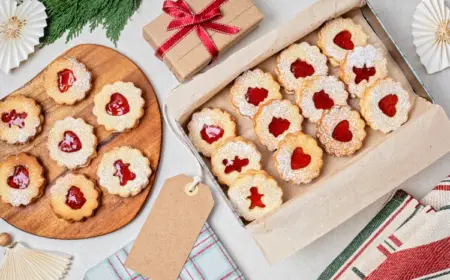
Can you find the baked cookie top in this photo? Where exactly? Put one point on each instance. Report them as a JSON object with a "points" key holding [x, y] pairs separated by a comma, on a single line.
{"points": [[20, 119], [119, 106]]}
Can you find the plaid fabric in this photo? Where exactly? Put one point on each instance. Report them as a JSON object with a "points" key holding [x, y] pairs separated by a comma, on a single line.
{"points": [[208, 260], [407, 239]]}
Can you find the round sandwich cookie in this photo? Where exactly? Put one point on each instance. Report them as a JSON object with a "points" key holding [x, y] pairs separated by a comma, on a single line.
{"points": [[22, 180], [233, 157], [20, 119], [254, 194], [341, 131]]}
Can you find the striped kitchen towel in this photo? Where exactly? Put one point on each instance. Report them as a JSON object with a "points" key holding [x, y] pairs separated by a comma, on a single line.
{"points": [[208, 260], [407, 239]]}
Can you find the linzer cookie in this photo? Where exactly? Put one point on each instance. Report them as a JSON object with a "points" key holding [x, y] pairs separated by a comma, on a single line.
{"points": [[209, 128], [72, 143], [319, 94], [119, 106], [21, 180], [253, 89], [341, 131], [74, 198], [254, 194], [124, 171], [299, 62], [339, 36], [21, 119], [233, 157], [67, 80], [361, 68], [298, 158], [276, 119], [385, 105]]}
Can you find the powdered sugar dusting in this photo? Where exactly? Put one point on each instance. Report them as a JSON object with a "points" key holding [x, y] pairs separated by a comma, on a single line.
{"points": [[367, 56]]}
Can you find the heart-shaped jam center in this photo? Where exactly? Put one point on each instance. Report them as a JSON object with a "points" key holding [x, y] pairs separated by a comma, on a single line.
{"points": [[278, 126], [75, 198], [255, 198], [20, 179], [256, 95], [14, 118], [342, 132], [211, 133], [301, 69], [235, 164], [71, 142], [123, 172], [388, 105], [118, 105], [299, 159], [344, 40], [363, 73], [322, 100], [66, 79]]}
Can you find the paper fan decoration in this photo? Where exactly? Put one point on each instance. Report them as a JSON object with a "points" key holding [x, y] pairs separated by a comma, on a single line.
{"points": [[21, 26], [23, 263], [431, 34]]}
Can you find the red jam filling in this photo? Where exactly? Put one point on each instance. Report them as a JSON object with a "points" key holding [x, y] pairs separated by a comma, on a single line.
{"points": [[123, 172], [387, 105], [118, 105], [301, 69], [66, 79], [363, 73], [255, 198], [342, 132], [256, 95], [71, 142], [344, 40], [20, 178], [322, 100], [299, 159], [75, 198], [278, 126], [14, 118], [235, 164], [211, 133]]}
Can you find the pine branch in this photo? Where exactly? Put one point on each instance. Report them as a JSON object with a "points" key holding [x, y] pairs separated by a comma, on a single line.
{"points": [[70, 16]]}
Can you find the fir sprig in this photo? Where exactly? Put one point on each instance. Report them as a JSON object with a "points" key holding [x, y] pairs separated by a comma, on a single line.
{"points": [[70, 16]]}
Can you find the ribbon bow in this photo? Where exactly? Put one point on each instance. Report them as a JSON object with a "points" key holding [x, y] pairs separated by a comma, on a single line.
{"points": [[186, 20]]}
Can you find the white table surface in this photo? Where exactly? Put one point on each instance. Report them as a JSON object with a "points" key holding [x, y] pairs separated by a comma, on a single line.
{"points": [[305, 264]]}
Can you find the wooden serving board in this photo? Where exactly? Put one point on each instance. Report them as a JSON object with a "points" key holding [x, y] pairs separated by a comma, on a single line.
{"points": [[107, 66]]}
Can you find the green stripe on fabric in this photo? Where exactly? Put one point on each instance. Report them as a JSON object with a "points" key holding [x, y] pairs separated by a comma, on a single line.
{"points": [[412, 215], [436, 275], [390, 246], [445, 208], [396, 201], [358, 273]]}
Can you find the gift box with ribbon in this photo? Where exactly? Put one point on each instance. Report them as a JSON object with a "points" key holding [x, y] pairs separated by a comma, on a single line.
{"points": [[191, 33]]}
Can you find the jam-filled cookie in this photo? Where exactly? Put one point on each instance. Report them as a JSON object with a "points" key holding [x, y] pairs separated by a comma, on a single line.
{"points": [[119, 106], [338, 37], [21, 119], [124, 171], [21, 180], [385, 105], [74, 198], [298, 63], [276, 119], [233, 157], [72, 143], [319, 94], [253, 89], [361, 68], [67, 80], [255, 193], [298, 158], [341, 131], [209, 128]]}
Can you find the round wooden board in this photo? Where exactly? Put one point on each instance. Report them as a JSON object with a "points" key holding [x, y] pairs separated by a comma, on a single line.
{"points": [[107, 66]]}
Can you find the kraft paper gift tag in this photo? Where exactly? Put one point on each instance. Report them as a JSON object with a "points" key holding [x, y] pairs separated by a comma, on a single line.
{"points": [[171, 229]]}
